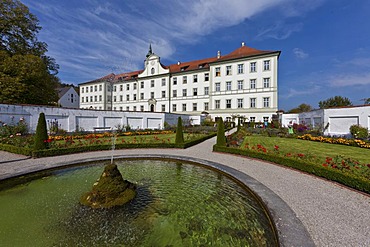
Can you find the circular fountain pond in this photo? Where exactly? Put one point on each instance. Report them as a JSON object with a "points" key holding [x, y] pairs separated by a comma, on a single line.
{"points": [[177, 204]]}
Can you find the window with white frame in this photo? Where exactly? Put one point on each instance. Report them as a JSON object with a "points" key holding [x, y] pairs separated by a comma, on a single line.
{"points": [[127, 108], [241, 68], [240, 85], [228, 86], [174, 93], [127, 97], [96, 88], [266, 65], [115, 89], [134, 96], [240, 103], [87, 89], [217, 104], [121, 108], [253, 67], [141, 95], [218, 87], [163, 108], [142, 84], [163, 81], [206, 76], [253, 83], [95, 98], [206, 90], [134, 108], [128, 87], [228, 70], [218, 71], [252, 119], [135, 86], [83, 99], [91, 88], [266, 102], [153, 71], [184, 92], [228, 103], [184, 79], [163, 94], [141, 108], [82, 90], [183, 107], [174, 107], [266, 82], [174, 81], [121, 98], [195, 107], [265, 119], [253, 102], [195, 91], [100, 98], [152, 95], [120, 87], [91, 98], [195, 78], [152, 83], [206, 106], [100, 87]]}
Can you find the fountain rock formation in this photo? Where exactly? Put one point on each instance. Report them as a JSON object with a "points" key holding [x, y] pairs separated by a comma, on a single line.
{"points": [[110, 190]]}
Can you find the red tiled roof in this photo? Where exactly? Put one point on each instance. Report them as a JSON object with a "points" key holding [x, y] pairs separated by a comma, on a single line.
{"points": [[244, 51], [192, 65]]}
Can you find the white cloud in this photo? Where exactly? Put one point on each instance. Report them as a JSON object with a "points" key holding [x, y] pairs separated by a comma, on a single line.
{"points": [[344, 80], [292, 92], [299, 53], [279, 31]]}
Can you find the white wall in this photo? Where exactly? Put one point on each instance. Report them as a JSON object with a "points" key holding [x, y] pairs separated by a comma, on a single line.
{"points": [[71, 119]]}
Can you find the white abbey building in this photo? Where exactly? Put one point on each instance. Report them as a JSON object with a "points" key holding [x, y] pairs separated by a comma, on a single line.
{"points": [[241, 83]]}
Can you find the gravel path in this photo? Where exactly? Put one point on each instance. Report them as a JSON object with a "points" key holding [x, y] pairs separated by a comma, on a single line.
{"points": [[333, 215]]}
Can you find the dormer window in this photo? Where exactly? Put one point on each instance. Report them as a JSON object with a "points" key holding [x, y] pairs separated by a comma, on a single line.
{"points": [[184, 68], [153, 71]]}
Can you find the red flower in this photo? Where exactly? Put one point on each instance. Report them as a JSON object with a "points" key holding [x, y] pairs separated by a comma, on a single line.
{"points": [[276, 148], [325, 165]]}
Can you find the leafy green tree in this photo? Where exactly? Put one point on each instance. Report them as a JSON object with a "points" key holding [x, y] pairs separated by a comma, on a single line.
{"points": [[367, 101], [179, 133], [301, 108], [41, 135], [335, 102], [221, 139], [27, 75]]}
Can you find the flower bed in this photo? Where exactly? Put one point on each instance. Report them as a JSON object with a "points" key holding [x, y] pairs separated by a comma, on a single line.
{"points": [[332, 140]]}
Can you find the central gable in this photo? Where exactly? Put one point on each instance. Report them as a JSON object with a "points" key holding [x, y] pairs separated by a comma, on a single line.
{"points": [[153, 67]]}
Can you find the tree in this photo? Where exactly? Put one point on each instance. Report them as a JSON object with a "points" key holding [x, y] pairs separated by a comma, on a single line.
{"points": [[335, 102], [301, 108], [27, 75], [41, 135], [179, 133], [367, 101], [221, 140]]}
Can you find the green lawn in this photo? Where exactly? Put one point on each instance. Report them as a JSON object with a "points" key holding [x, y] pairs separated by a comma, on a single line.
{"points": [[316, 150]]}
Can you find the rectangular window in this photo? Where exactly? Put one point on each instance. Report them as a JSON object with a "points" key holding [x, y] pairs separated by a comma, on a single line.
{"points": [[240, 103], [195, 78], [206, 107], [228, 70], [134, 108], [82, 90], [96, 88], [253, 103], [109, 99], [100, 87], [174, 107], [83, 99], [266, 65], [175, 81], [87, 89], [217, 104], [128, 87], [195, 91], [240, 85], [135, 96], [152, 95], [266, 82], [174, 93], [163, 82], [195, 107], [115, 89], [142, 84], [253, 67], [141, 108], [100, 98], [240, 68], [135, 85], [206, 77], [114, 108], [266, 102], [183, 107], [141, 95], [253, 83], [127, 108], [252, 119], [184, 79], [121, 98], [228, 86], [163, 94], [265, 119], [218, 87], [152, 83], [121, 108], [184, 92], [87, 99], [228, 103], [91, 98], [120, 87], [206, 90], [91, 88], [163, 108], [127, 97], [218, 71], [95, 98]]}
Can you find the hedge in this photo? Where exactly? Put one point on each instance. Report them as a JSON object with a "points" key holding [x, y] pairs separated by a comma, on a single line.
{"points": [[350, 180], [16, 150]]}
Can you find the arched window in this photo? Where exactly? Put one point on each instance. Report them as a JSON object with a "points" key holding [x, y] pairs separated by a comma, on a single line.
{"points": [[153, 70]]}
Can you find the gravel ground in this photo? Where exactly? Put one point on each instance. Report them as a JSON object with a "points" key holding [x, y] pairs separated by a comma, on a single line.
{"points": [[333, 215]]}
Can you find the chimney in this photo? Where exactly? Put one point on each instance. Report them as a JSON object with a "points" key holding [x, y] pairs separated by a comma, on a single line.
{"points": [[243, 44], [178, 63], [218, 54]]}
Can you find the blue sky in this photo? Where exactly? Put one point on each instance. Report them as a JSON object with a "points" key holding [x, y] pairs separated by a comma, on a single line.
{"points": [[325, 44]]}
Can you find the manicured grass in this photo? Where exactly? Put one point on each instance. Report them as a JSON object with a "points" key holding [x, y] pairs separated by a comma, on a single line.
{"points": [[316, 150]]}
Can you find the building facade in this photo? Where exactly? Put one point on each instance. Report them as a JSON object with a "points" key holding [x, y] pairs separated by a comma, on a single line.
{"points": [[68, 97], [241, 83]]}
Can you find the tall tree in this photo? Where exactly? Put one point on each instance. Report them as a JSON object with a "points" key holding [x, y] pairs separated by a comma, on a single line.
{"points": [[367, 101], [301, 108], [27, 75], [335, 101]]}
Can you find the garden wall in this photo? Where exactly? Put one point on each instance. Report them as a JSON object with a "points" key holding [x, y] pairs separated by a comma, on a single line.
{"points": [[83, 119]]}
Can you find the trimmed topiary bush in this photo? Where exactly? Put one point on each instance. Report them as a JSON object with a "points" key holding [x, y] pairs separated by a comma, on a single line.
{"points": [[359, 132], [221, 139], [179, 132], [41, 135]]}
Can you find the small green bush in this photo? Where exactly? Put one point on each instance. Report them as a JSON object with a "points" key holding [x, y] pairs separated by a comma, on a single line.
{"points": [[359, 132], [41, 135], [221, 139], [179, 132]]}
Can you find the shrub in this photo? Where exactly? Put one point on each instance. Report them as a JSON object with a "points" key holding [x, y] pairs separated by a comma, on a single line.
{"points": [[41, 135], [221, 139], [179, 132], [359, 132]]}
